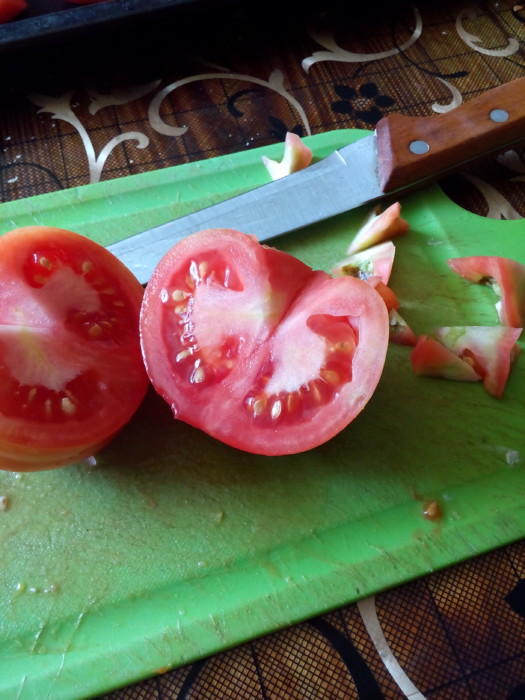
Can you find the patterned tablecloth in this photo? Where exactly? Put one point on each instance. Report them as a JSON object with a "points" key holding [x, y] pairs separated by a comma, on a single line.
{"points": [[221, 79]]}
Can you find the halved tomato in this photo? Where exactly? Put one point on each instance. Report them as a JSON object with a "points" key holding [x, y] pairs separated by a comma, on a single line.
{"points": [[71, 371], [255, 348], [505, 276]]}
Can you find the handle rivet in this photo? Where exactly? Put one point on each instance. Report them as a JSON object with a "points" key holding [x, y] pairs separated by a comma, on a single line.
{"points": [[419, 147], [499, 115]]}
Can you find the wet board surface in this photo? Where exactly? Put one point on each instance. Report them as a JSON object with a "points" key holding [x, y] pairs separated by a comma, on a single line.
{"points": [[174, 546]]}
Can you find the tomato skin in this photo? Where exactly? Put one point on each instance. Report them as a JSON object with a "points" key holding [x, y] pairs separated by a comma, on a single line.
{"points": [[9, 9], [275, 362], [505, 276], [71, 372]]}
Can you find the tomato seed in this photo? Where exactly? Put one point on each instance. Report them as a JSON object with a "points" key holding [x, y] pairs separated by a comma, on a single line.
{"points": [[258, 406], [330, 376], [198, 376], [182, 355], [276, 409], [178, 295], [45, 262], [95, 331], [67, 406], [87, 266]]}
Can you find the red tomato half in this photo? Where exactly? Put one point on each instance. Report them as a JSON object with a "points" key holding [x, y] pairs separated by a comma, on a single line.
{"points": [[9, 9], [256, 349], [71, 371]]}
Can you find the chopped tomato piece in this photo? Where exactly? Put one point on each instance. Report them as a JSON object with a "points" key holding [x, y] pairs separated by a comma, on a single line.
{"points": [[490, 350], [505, 276], [385, 292], [255, 348], [378, 227], [296, 156], [9, 9], [400, 331], [71, 372], [431, 358], [372, 262]]}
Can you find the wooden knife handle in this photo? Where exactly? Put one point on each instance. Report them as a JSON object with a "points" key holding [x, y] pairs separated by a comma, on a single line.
{"points": [[490, 123]]}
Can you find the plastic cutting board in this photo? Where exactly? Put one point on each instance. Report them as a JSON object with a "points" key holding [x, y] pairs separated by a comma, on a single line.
{"points": [[174, 546]]}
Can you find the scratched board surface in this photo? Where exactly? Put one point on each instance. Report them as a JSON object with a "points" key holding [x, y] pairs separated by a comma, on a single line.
{"points": [[172, 546]]}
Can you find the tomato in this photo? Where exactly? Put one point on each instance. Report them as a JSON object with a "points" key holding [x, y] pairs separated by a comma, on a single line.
{"points": [[71, 371], [378, 227], [386, 293], [296, 156], [505, 276], [372, 262], [9, 9], [400, 331], [490, 350], [431, 358], [255, 348]]}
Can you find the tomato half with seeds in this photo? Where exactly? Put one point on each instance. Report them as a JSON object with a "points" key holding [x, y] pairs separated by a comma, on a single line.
{"points": [[71, 370], [255, 348]]}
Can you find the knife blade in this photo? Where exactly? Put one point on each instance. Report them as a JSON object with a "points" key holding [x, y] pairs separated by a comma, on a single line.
{"points": [[403, 153]]}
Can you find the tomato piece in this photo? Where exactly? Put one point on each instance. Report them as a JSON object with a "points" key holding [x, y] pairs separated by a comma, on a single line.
{"points": [[400, 331], [9, 9], [378, 227], [255, 348], [385, 292], [505, 276], [71, 371], [431, 358], [296, 156], [490, 350], [372, 262]]}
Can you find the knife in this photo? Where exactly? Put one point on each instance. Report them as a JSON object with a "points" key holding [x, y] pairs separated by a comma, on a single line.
{"points": [[402, 154]]}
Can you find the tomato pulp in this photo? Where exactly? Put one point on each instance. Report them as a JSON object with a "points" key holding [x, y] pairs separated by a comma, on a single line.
{"points": [[71, 370], [255, 348]]}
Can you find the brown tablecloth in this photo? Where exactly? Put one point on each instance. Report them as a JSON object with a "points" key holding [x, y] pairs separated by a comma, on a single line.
{"points": [[224, 78]]}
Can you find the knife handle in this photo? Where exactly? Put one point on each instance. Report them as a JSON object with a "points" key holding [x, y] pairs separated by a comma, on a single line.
{"points": [[414, 149]]}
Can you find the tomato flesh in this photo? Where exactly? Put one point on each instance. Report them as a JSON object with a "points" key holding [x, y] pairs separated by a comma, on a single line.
{"points": [[71, 373], [250, 345]]}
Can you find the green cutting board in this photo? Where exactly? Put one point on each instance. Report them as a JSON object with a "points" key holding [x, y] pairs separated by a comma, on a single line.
{"points": [[174, 546]]}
